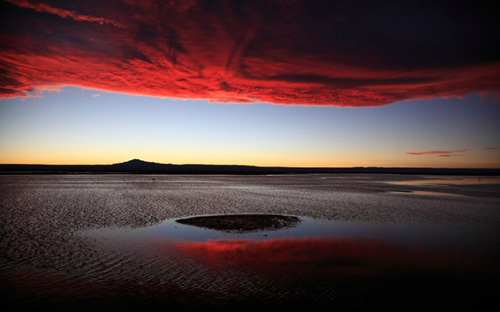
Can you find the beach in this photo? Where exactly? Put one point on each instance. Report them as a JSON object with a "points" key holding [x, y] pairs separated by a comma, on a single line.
{"points": [[360, 242]]}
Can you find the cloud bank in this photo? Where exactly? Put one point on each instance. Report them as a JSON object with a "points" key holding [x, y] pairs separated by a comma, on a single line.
{"points": [[343, 53]]}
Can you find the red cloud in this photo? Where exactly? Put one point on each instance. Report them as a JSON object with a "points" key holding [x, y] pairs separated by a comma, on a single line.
{"points": [[441, 153], [450, 155], [43, 7], [295, 52], [491, 148]]}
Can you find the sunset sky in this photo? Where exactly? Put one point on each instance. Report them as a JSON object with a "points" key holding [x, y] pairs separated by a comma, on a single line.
{"points": [[268, 83]]}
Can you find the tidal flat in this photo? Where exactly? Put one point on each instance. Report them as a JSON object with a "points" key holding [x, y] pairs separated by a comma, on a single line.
{"points": [[358, 242]]}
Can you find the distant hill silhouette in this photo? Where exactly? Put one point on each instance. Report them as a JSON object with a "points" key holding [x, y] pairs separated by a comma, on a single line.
{"points": [[137, 164], [140, 166]]}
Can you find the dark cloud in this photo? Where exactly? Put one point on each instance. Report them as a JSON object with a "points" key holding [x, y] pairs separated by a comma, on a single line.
{"points": [[345, 53]]}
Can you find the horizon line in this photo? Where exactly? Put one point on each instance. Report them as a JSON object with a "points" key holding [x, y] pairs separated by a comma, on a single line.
{"points": [[248, 165]]}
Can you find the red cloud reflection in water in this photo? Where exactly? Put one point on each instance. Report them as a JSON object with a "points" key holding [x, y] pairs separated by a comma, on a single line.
{"points": [[320, 255]]}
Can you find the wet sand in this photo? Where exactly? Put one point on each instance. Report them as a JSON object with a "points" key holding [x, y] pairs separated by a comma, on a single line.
{"points": [[112, 242]]}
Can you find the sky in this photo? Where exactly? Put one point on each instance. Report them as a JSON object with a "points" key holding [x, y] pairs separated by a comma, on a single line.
{"points": [[268, 83]]}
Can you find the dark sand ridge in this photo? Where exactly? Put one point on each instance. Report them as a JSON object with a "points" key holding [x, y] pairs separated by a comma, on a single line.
{"points": [[242, 223]]}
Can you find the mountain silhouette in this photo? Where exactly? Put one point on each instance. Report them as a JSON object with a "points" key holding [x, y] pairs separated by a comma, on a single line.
{"points": [[137, 164]]}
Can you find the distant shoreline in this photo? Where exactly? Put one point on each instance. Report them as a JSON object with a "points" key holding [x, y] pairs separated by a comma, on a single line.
{"points": [[137, 166]]}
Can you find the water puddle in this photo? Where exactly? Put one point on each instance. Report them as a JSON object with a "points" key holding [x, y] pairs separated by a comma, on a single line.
{"points": [[455, 180], [428, 193], [178, 232], [308, 261]]}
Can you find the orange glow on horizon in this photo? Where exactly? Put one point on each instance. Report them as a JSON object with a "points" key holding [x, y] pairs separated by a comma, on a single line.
{"points": [[77, 158]]}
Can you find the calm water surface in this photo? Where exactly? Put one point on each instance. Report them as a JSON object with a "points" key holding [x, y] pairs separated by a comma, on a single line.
{"points": [[365, 242]]}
